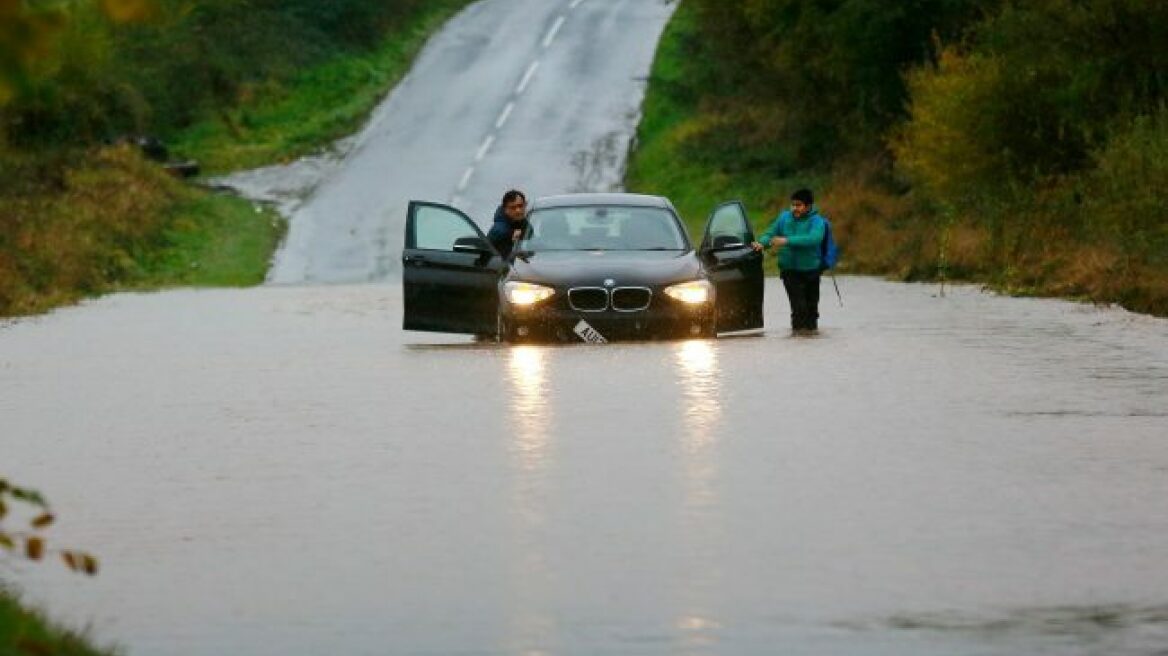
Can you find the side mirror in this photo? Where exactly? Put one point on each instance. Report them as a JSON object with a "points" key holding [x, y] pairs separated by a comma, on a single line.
{"points": [[476, 245], [727, 242]]}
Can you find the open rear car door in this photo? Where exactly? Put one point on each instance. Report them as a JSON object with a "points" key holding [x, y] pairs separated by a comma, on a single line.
{"points": [[734, 268], [450, 273]]}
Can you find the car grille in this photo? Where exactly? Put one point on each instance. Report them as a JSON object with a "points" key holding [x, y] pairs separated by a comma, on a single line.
{"points": [[588, 299], [631, 299]]}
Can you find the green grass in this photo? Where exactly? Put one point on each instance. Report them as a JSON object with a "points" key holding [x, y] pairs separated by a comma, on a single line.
{"points": [[322, 104], [114, 222], [24, 631], [215, 240], [661, 163]]}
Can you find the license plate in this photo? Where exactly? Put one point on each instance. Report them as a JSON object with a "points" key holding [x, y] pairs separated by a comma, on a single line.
{"points": [[588, 333]]}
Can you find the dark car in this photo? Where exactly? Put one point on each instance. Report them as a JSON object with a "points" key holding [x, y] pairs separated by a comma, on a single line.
{"points": [[591, 267]]}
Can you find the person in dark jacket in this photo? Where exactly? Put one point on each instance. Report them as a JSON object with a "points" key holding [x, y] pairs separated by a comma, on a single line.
{"points": [[510, 222], [798, 233]]}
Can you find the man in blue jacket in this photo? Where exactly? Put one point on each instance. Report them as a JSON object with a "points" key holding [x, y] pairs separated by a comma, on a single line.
{"points": [[510, 222], [798, 234]]}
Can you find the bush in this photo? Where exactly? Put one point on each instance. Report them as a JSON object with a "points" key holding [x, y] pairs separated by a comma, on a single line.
{"points": [[1127, 192]]}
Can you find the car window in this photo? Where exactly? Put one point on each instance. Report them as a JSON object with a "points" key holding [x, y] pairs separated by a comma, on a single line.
{"points": [[437, 228], [729, 223], [609, 228]]}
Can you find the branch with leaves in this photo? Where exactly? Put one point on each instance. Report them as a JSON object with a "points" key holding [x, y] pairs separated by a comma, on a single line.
{"points": [[29, 32], [31, 542]]}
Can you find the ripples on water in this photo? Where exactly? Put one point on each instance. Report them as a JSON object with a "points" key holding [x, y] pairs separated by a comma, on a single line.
{"points": [[284, 471]]}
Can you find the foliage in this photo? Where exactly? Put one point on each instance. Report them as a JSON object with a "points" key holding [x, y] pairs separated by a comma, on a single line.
{"points": [[809, 81], [26, 36], [1033, 95], [234, 83], [27, 632], [1126, 192], [1044, 126], [280, 119], [1022, 144], [157, 66], [30, 541], [81, 223]]}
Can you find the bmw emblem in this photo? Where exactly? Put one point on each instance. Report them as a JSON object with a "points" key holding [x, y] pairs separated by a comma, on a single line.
{"points": [[609, 282]]}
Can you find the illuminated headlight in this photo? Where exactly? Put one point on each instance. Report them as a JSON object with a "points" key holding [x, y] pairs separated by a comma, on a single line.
{"points": [[692, 293], [525, 293]]}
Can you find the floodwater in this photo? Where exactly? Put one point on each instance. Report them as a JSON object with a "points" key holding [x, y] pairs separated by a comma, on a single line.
{"points": [[284, 471]]}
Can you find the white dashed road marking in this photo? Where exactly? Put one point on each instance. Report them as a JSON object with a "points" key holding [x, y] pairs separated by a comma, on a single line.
{"points": [[510, 107], [527, 78], [465, 179], [484, 148], [551, 35], [505, 115]]}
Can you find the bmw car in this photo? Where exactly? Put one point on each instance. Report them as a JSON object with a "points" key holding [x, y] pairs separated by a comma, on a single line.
{"points": [[589, 267]]}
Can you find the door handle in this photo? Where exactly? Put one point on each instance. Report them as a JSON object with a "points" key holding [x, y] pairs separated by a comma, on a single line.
{"points": [[416, 260]]}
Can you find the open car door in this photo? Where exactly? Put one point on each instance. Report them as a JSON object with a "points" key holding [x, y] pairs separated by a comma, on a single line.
{"points": [[450, 272], [734, 268]]}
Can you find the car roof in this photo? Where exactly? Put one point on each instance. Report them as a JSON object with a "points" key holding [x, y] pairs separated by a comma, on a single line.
{"points": [[591, 199]]}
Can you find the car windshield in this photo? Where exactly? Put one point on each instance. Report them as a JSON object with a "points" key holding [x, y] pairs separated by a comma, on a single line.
{"points": [[602, 228]]}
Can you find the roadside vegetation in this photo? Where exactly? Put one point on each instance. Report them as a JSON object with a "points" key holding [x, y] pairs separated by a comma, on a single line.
{"points": [[25, 631], [1022, 145], [228, 83]]}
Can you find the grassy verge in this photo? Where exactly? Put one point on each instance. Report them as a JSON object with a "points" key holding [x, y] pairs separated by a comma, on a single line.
{"points": [[325, 103], [24, 631], [78, 223], [105, 219], [214, 241], [880, 228]]}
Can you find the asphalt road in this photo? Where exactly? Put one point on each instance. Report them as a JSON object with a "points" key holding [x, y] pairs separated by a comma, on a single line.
{"points": [[531, 94]]}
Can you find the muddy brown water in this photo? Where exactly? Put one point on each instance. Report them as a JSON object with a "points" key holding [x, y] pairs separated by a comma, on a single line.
{"points": [[284, 471]]}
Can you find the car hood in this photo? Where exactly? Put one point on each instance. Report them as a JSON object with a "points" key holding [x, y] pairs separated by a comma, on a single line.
{"points": [[593, 268]]}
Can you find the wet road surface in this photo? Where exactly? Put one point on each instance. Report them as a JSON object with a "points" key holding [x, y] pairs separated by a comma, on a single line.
{"points": [[530, 94], [283, 471]]}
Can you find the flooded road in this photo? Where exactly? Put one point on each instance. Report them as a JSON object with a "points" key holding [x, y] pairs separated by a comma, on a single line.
{"points": [[283, 471]]}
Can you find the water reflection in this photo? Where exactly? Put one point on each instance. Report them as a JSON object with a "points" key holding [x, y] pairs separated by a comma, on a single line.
{"points": [[529, 407], [531, 628], [697, 364], [701, 411]]}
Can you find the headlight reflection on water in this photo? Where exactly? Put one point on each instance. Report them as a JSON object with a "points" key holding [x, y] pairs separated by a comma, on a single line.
{"points": [[529, 404], [698, 375], [697, 364], [532, 460]]}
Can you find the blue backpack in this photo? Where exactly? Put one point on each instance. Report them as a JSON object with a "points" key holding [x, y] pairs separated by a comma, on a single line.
{"points": [[829, 251]]}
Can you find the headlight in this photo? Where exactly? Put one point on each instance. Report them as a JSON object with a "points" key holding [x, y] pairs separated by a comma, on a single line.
{"points": [[525, 293], [691, 293]]}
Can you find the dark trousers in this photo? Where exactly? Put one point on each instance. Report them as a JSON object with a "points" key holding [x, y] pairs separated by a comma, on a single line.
{"points": [[803, 293]]}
